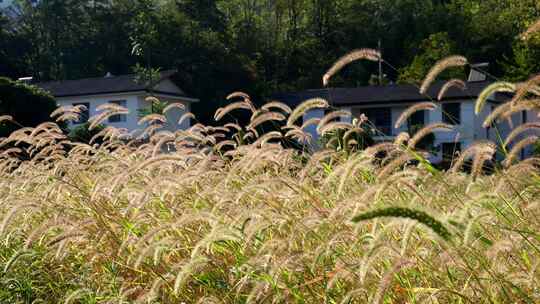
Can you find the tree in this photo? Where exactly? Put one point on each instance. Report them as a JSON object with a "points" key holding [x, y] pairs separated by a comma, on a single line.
{"points": [[523, 63], [28, 105], [12, 49], [261, 46], [435, 47], [524, 59]]}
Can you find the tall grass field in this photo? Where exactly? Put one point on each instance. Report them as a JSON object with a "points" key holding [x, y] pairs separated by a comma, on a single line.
{"points": [[262, 213]]}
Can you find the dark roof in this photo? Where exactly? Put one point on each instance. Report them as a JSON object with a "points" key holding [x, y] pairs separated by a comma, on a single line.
{"points": [[382, 94], [100, 85]]}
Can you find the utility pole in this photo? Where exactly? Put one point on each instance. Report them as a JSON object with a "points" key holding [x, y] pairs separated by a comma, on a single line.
{"points": [[380, 63]]}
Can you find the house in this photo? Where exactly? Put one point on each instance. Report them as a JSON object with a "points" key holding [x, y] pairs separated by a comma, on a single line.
{"points": [[384, 104], [123, 90]]}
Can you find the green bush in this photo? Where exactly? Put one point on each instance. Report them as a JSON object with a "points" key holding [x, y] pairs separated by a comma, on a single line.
{"points": [[82, 133], [335, 140], [536, 148], [27, 104]]}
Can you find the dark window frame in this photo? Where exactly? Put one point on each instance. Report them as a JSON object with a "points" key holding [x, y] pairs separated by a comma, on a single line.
{"points": [[381, 118], [451, 115], [454, 147], [418, 118]]}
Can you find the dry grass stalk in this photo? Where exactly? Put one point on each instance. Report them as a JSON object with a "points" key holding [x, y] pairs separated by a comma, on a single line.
{"points": [[429, 106], [437, 126], [277, 105], [520, 145], [309, 122], [262, 219], [185, 117], [330, 117], [315, 103], [336, 125], [152, 118], [100, 118], [481, 151], [402, 139], [533, 29], [520, 129], [368, 54], [500, 86], [233, 106], [439, 67], [460, 84], [387, 279], [4, 118], [174, 105], [526, 88], [262, 118]]}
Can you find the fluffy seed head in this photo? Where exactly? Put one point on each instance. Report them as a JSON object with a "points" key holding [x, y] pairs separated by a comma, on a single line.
{"points": [[534, 28], [437, 126], [367, 54], [315, 103], [500, 86], [430, 106], [439, 67], [458, 83]]}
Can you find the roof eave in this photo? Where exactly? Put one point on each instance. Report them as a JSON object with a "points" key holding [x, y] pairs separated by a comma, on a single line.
{"points": [[397, 101], [129, 92]]}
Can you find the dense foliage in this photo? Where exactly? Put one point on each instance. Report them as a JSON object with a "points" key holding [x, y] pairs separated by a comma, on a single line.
{"points": [[29, 104], [262, 46]]}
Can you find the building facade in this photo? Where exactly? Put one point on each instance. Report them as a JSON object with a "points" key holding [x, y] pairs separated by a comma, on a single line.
{"points": [[382, 105], [125, 91]]}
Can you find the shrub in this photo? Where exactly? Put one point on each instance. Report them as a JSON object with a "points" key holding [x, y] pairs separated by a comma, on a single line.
{"points": [[335, 140], [82, 133], [536, 148], [28, 105]]}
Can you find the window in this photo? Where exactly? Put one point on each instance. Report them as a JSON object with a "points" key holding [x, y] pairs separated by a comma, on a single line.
{"points": [[451, 113], [524, 117], [417, 119], [381, 118], [119, 117], [449, 150], [85, 113]]}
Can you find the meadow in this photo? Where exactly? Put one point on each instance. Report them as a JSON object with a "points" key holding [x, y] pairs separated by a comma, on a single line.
{"points": [[233, 215]]}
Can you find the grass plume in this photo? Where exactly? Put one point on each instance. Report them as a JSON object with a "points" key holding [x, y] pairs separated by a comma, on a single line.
{"points": [[367, 54], [458, 83], [430, 106], [401, 212], [439, 67]]}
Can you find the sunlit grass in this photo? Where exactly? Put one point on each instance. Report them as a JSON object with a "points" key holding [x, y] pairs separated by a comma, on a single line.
{"points": [[233, 216]]}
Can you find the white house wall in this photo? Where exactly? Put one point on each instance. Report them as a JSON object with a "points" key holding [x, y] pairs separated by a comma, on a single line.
{"points": [[312, 129], [504, 127], [95, 101], [173, 116], [347, 118], [133, 103], [468, 131], [464, 132]]}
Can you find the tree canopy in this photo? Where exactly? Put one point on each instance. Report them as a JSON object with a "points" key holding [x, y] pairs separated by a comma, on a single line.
{"points": [[262, 46], [27, 105]]}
